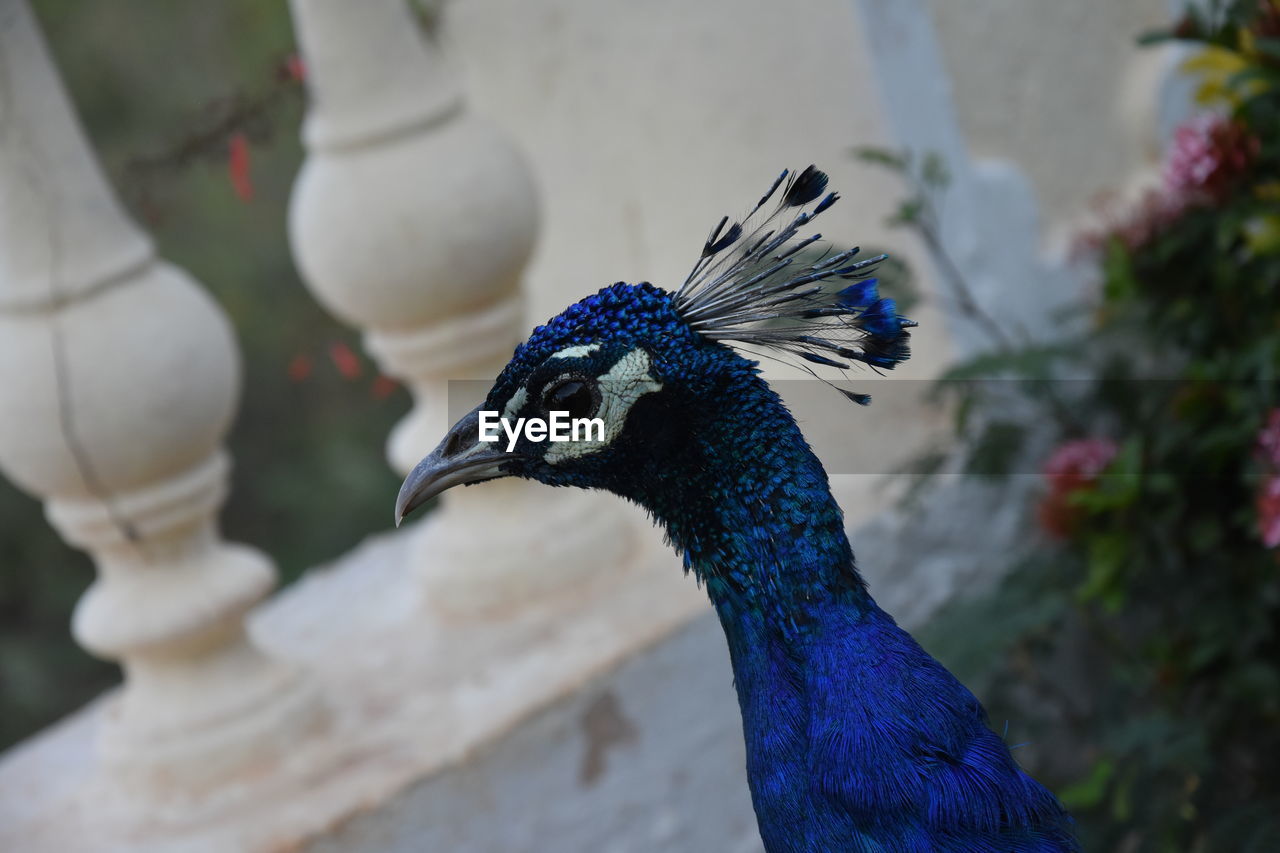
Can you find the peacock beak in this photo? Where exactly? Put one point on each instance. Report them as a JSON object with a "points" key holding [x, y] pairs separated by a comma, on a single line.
{"points": [[459, 459]]}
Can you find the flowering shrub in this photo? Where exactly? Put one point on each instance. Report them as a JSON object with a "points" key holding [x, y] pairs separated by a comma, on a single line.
{"points": [[1073, 469], [1269, 511], [1268, 502], [1210, 156], [1139, 644]]}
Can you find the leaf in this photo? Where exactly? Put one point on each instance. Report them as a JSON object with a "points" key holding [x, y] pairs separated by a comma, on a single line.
{"points": [[1108, 555], [1250, 82], [1090, 791], [897, 161], [996, 449], [1154, 37], [1119, 282], [1267, 47], [908, 213], [1214, 61], [1215, 66], [1262, 235], [934, 172], [1122, 799]]}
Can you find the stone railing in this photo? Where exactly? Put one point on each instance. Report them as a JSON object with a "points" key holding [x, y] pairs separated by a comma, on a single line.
{"points": [[471, 682], [413, 220], [118, 379]]}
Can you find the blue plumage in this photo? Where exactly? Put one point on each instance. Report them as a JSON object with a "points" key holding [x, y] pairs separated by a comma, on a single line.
{"points": [[860, 294], [857, 740]]}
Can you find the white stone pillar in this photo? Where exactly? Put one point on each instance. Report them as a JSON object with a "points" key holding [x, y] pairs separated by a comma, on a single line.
{"points": [[990, 218], [118, 380], [413, 220]]}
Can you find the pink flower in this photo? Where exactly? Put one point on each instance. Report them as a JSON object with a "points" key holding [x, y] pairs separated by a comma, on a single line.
{"points": [[1078, 463], [1269, 440], [1209, 156], [1268, 506], [1074, 467]]}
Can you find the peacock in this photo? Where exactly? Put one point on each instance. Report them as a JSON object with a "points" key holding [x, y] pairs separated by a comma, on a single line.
{"points": [[856, 739]]}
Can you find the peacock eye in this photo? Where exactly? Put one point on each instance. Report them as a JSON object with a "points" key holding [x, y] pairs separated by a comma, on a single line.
{"points": [[577, 396]]}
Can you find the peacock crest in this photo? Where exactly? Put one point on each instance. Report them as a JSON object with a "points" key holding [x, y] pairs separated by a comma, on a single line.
{"points": [[754, 286]]}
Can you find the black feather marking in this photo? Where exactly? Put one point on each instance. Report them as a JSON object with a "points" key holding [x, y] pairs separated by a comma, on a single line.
{"points": [[806, 186], [711, 238], [730, 237], [831, 311], [860, 399], [821, 342], [822, 359], [825, 203]]}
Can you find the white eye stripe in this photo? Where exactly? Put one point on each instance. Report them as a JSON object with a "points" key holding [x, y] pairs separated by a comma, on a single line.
{"points": [[516, 403], [627, 381], [577, 351], [521, 396]]}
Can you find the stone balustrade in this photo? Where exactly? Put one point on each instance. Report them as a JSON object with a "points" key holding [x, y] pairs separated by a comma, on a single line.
{"points": [[118, 380], [413, 220]]}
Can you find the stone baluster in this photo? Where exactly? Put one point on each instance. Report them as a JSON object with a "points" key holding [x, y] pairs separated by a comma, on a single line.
{"points": [[118, 380], [990, 215], [413, 220]]}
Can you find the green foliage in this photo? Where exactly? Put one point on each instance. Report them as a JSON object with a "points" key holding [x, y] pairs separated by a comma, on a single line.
{"points": [[42, 672], [1138, 649]]}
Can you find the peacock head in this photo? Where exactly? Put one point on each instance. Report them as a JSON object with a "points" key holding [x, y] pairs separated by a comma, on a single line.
{"points": [[634, 378]]}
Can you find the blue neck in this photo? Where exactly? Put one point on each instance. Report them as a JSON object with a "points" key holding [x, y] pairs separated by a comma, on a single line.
{"points": [[758, 525], [855, 738]]}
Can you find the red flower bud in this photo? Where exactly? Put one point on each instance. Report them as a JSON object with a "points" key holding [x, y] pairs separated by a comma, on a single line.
{"points": [[347, 362], [238, 166]]}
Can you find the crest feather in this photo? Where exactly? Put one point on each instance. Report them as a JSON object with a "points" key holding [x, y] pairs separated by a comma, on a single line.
{"points": [[750, 288]]}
